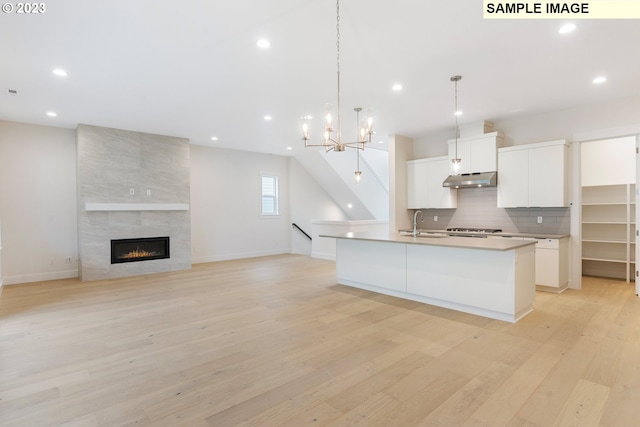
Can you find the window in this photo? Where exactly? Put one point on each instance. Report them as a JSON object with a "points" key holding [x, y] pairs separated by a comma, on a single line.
{"points": [[269, 204]]}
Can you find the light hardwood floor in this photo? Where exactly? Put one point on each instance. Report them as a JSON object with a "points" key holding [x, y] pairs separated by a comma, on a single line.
{"points": [[274, 341]]}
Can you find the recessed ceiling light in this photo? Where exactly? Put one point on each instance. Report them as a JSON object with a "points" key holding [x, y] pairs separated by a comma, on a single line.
{"points": [[567, 28], [396, 87], [60, 72], [349, 205], [289, 148], [458, 113], [51, 114], [214, 138], [263, 43], [599, 79], [267, 118], [381, 142]]}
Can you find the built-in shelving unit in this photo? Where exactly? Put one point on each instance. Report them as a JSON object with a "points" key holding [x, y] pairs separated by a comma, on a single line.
{"points": [[608, 231]]}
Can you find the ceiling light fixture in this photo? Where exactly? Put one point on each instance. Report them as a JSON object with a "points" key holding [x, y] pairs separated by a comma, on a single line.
{"points": [[456, 160], [567, 28], [51, 114], [60, 72], [396, 87], [263, 43], [268, 118], [599, 79], [333, 135], [214, 138]]}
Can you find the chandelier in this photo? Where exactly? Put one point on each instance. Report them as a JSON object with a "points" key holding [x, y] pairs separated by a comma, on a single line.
{"points": [[456, 160], [332, 139]]}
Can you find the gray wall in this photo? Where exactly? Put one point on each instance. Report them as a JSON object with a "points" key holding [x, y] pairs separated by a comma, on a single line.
{"points": [[477, 207], [110, 162]]}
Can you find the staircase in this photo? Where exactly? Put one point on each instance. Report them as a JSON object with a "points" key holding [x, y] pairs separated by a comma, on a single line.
{"points": [[334, 171]]}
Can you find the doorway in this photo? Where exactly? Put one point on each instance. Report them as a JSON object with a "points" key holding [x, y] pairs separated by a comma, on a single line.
{"points": [[608, 176]]}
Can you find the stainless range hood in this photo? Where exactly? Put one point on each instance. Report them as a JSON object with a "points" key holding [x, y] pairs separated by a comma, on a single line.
{"points": [[470, 180]]}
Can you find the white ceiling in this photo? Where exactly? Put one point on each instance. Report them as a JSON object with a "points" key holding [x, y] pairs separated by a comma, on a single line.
{"points": [[192, 69]]}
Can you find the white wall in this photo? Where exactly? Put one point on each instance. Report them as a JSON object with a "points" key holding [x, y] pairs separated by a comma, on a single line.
{"points": [[37, 202], [567, 124], [225, 205]]}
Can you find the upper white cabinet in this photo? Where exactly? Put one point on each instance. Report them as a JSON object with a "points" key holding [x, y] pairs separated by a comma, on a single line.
{"points": [[534, 175], [424, 184], [416, 184], [478, 153]]}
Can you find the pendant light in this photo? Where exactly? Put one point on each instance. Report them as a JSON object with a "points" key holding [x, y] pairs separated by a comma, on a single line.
{"points": [[332, 139], [456, 160]]}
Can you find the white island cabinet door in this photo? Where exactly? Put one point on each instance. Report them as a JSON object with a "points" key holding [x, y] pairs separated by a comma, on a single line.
{"points": [[379, 264]]}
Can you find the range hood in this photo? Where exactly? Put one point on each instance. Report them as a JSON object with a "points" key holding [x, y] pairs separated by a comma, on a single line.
{"points": [[470, 180]]}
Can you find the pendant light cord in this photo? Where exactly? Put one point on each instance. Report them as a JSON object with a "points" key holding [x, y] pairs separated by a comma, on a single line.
{"points": [[456, 114], [339, 133]]}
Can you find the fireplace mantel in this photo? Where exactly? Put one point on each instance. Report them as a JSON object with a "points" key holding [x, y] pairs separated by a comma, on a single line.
{"points": [[97, 207]]}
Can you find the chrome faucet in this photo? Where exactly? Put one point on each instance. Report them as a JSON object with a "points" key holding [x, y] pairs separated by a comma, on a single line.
{"points": [[415, 222]]}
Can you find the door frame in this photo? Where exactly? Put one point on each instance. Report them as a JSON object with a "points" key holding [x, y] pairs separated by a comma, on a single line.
{"points": [[575, 264]]}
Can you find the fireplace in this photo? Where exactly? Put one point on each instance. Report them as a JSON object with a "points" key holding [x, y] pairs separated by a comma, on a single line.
{"points": [[142, 249]]}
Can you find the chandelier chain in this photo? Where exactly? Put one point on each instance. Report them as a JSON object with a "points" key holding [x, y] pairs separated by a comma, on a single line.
{"points": [[332, 129]]}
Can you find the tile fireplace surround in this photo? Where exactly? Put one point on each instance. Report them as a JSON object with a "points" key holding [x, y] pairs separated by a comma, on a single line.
{"points": [[111, 165]]}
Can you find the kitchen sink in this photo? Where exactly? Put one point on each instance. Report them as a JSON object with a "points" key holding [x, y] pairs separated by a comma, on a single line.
{"points": [[423, 233]]}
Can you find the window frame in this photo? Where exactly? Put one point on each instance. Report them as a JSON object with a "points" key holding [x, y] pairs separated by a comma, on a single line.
{"points": [[276, 197]]}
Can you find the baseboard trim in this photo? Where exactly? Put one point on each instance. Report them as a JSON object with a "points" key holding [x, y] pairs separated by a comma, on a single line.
{"points": [[238, 255], [39, 277]]}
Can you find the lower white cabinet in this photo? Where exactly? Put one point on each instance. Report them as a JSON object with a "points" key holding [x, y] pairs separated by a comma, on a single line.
{"points": [[424, 184], [552, 263]]}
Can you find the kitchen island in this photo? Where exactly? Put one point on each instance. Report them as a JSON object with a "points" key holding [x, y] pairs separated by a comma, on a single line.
{"points": [[494, 278]]}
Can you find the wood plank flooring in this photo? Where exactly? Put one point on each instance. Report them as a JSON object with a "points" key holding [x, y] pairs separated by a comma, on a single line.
{"points": [[274, 341]]}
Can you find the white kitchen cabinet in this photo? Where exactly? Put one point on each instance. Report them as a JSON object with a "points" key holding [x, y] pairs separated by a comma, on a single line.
{"points": [[416, 184], [513, 178], [424, 184], [608, 231], [478, 153], [552, 262], [534, 175]]}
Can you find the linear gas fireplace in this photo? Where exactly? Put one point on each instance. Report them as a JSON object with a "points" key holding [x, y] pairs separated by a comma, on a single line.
{"points": [[142, 249]]}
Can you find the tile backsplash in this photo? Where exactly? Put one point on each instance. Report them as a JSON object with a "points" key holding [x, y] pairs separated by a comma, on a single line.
{"points": [[477, 207]]}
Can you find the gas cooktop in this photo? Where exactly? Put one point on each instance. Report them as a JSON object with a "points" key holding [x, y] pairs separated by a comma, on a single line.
{"points": [[474, 230]]}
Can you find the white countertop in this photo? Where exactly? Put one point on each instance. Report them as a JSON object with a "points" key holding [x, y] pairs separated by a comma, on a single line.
{"points": [[437, 240], [501, 234]]}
